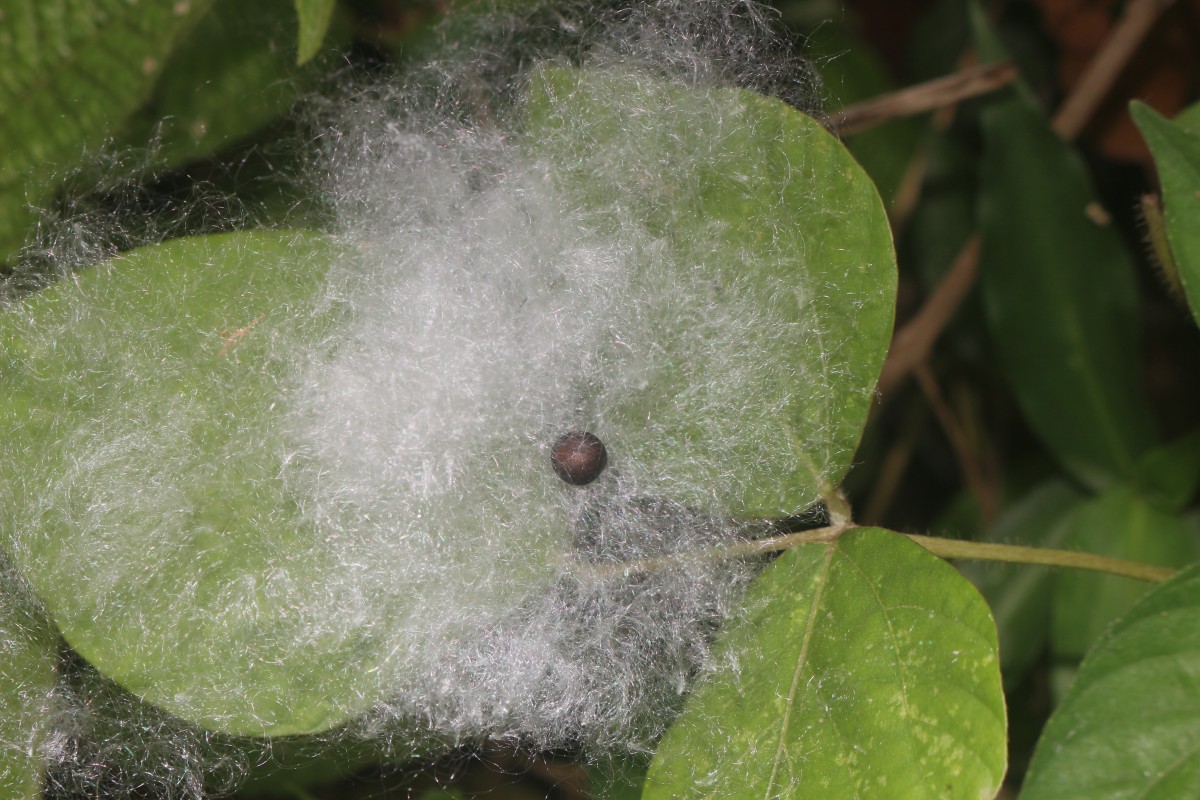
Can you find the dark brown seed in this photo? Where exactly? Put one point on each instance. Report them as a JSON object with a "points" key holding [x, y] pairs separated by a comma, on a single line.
{"points": [[578, 457]]}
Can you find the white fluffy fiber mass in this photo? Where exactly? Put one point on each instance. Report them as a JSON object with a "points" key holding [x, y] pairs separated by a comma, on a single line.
{"points": [[493, 311], [487, 311]]}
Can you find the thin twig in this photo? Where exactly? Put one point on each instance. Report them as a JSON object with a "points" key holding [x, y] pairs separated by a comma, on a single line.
{"points": [[1016, 554], [893, 467], [979, 486], [1106, 66], [908, 191], [922, 97], [945, 548], [913, 342]]}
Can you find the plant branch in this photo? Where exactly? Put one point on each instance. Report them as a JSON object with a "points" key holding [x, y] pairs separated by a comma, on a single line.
{"points": [[913, 342], [922, 97], [1103, 70], [944, 548], [1016, 554], [974, 471]]}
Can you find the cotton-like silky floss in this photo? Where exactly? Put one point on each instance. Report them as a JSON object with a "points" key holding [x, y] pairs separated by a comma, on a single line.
{"points": [[487, 313]]}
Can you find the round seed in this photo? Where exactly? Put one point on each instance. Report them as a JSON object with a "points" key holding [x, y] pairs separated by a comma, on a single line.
{"points": [[578, 457]]}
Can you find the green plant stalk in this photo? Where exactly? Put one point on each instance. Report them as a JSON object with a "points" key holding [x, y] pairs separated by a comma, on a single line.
{"points": [[950, 549], [1016, 554]]}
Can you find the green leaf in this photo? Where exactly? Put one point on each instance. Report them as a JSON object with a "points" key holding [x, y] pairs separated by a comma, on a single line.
{"points": [[1189, 118], [1129, 728], [1019, 594], [1061, 298], [1118, 523], [314, 18], [775, 215], [71, 74], [231, 77], [1176, 150], [147, 488], [1169, 476], [864, 668], [28, 655], [193, 612]]}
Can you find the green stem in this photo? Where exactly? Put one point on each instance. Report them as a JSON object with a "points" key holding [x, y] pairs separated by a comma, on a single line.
{"points": [[990, 551], [945, 548]]}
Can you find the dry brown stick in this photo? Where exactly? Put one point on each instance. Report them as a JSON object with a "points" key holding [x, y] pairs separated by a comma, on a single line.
{"points": [[923, 97], [908, 192], [892, 470], [912, 343], [974, 474], [1126, 36]]}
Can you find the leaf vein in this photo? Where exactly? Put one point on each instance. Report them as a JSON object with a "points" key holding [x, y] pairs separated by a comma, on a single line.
{"points": [[801, 663]]}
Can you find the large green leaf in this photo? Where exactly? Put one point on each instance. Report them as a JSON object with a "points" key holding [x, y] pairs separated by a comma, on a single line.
{"points": [[1061, 297], [1176, 149], [28, 654], [154, 490], [862, 668], [1130, 725], [70, 74], [165, 363], [777, 219], [1117, 523]]}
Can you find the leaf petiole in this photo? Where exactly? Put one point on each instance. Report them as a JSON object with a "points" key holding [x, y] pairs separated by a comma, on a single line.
{"points": [[950, 549]]}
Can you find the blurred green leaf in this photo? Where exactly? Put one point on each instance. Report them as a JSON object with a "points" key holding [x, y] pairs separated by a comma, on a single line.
{"points": [[1061, 298], [938, 39], [803, 236], [1118, 523], [863, 668], [1169, 476], [1129, 728], [314, 18], [1176, 150], [1019, 594], [71, 74], [231, 77], [28, 654]]}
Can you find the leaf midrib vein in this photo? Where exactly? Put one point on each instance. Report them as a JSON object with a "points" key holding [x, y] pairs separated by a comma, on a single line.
{"points": [[801, 663]]}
